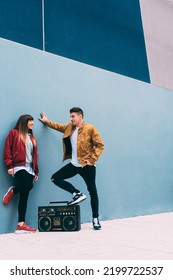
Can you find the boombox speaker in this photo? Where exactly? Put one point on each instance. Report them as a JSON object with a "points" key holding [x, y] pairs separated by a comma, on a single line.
{"points": [[59, 218]]}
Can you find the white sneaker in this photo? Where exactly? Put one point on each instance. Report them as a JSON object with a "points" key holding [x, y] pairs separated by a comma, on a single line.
{"points": [[79, 197]]}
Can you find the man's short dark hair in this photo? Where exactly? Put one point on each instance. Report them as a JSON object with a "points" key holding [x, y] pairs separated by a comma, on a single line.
{"points": [[76, 110]]}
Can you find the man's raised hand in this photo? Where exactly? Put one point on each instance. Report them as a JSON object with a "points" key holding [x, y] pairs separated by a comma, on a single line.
{"points": [[43, 117]]}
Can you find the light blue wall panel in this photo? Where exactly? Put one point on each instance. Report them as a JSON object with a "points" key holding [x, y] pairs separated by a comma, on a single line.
{"points": [[135, 171]]}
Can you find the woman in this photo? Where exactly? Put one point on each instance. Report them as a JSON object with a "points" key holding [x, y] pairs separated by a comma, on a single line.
{"points": [[21, 160]]}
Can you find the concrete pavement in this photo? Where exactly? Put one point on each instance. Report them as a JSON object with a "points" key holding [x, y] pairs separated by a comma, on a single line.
{"points": [[137, 238]]}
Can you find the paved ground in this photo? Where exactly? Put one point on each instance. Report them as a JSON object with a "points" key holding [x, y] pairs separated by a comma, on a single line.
{"points": [[137, 238]]}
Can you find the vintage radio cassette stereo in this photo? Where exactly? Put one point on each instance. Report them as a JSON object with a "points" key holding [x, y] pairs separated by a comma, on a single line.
{"points": [[59, 217]]}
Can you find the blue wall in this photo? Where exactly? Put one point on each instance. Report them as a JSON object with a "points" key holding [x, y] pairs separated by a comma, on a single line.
{"points": [[103, 33], [135, 171]]}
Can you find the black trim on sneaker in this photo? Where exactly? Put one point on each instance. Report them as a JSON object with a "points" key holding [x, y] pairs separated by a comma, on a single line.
{"points": [[79, 197]]}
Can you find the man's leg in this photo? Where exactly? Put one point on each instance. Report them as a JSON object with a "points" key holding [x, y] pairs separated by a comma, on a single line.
{"points": [[67, 172], [88, 173]]}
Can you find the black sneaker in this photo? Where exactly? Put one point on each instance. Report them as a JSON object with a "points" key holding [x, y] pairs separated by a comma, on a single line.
{"points": [[96, 224], [79, 197]]}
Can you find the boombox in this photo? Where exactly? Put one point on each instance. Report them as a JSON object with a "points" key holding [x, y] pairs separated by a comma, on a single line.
{"points": [[59, 218]]}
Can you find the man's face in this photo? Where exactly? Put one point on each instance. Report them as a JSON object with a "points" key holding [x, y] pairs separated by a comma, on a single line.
{"points": [[75, 118]]}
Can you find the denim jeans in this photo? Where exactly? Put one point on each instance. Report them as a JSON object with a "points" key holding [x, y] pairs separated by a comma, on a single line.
{"points": [[88, 173]]}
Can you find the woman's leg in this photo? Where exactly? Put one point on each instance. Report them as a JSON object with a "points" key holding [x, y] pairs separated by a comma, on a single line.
{"points": [[24, 185]]}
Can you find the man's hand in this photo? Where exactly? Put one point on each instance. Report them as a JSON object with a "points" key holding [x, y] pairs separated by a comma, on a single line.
{"points": [[43, 117], [88, 162]]}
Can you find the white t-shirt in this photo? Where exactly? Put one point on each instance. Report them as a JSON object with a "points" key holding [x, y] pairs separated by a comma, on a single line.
{"points": [[29, 153], [73, 139]]}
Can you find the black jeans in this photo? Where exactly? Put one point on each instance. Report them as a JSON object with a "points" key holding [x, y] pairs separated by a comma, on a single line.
{"points": [[88, 173], [23, 185]]}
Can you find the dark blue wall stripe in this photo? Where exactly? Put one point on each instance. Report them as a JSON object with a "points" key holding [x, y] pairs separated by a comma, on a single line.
{"points": [[21, 21], [103, 33]]}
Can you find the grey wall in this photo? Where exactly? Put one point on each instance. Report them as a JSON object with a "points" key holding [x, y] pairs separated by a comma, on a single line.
{"points": [[135, 171], [157, 18]]}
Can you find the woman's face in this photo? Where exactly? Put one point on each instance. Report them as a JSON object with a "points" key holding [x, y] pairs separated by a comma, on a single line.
{"points": [[30, 124]]}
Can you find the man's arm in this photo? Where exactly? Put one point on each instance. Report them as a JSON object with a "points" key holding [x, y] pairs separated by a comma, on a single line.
{"points": [[54, 125]]}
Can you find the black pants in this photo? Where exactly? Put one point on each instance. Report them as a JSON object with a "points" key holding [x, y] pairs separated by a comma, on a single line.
{"points": [[23, 185], [88, 173]]}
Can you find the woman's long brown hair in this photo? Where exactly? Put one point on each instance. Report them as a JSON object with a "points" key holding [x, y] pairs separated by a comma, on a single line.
{"points": [[22, 127]]}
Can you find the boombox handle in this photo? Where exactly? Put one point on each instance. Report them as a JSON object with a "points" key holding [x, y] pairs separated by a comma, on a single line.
{"points": [[55, 202]]}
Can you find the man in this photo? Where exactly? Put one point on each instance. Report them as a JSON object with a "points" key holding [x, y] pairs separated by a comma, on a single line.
{"points": [[83, 144]]}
